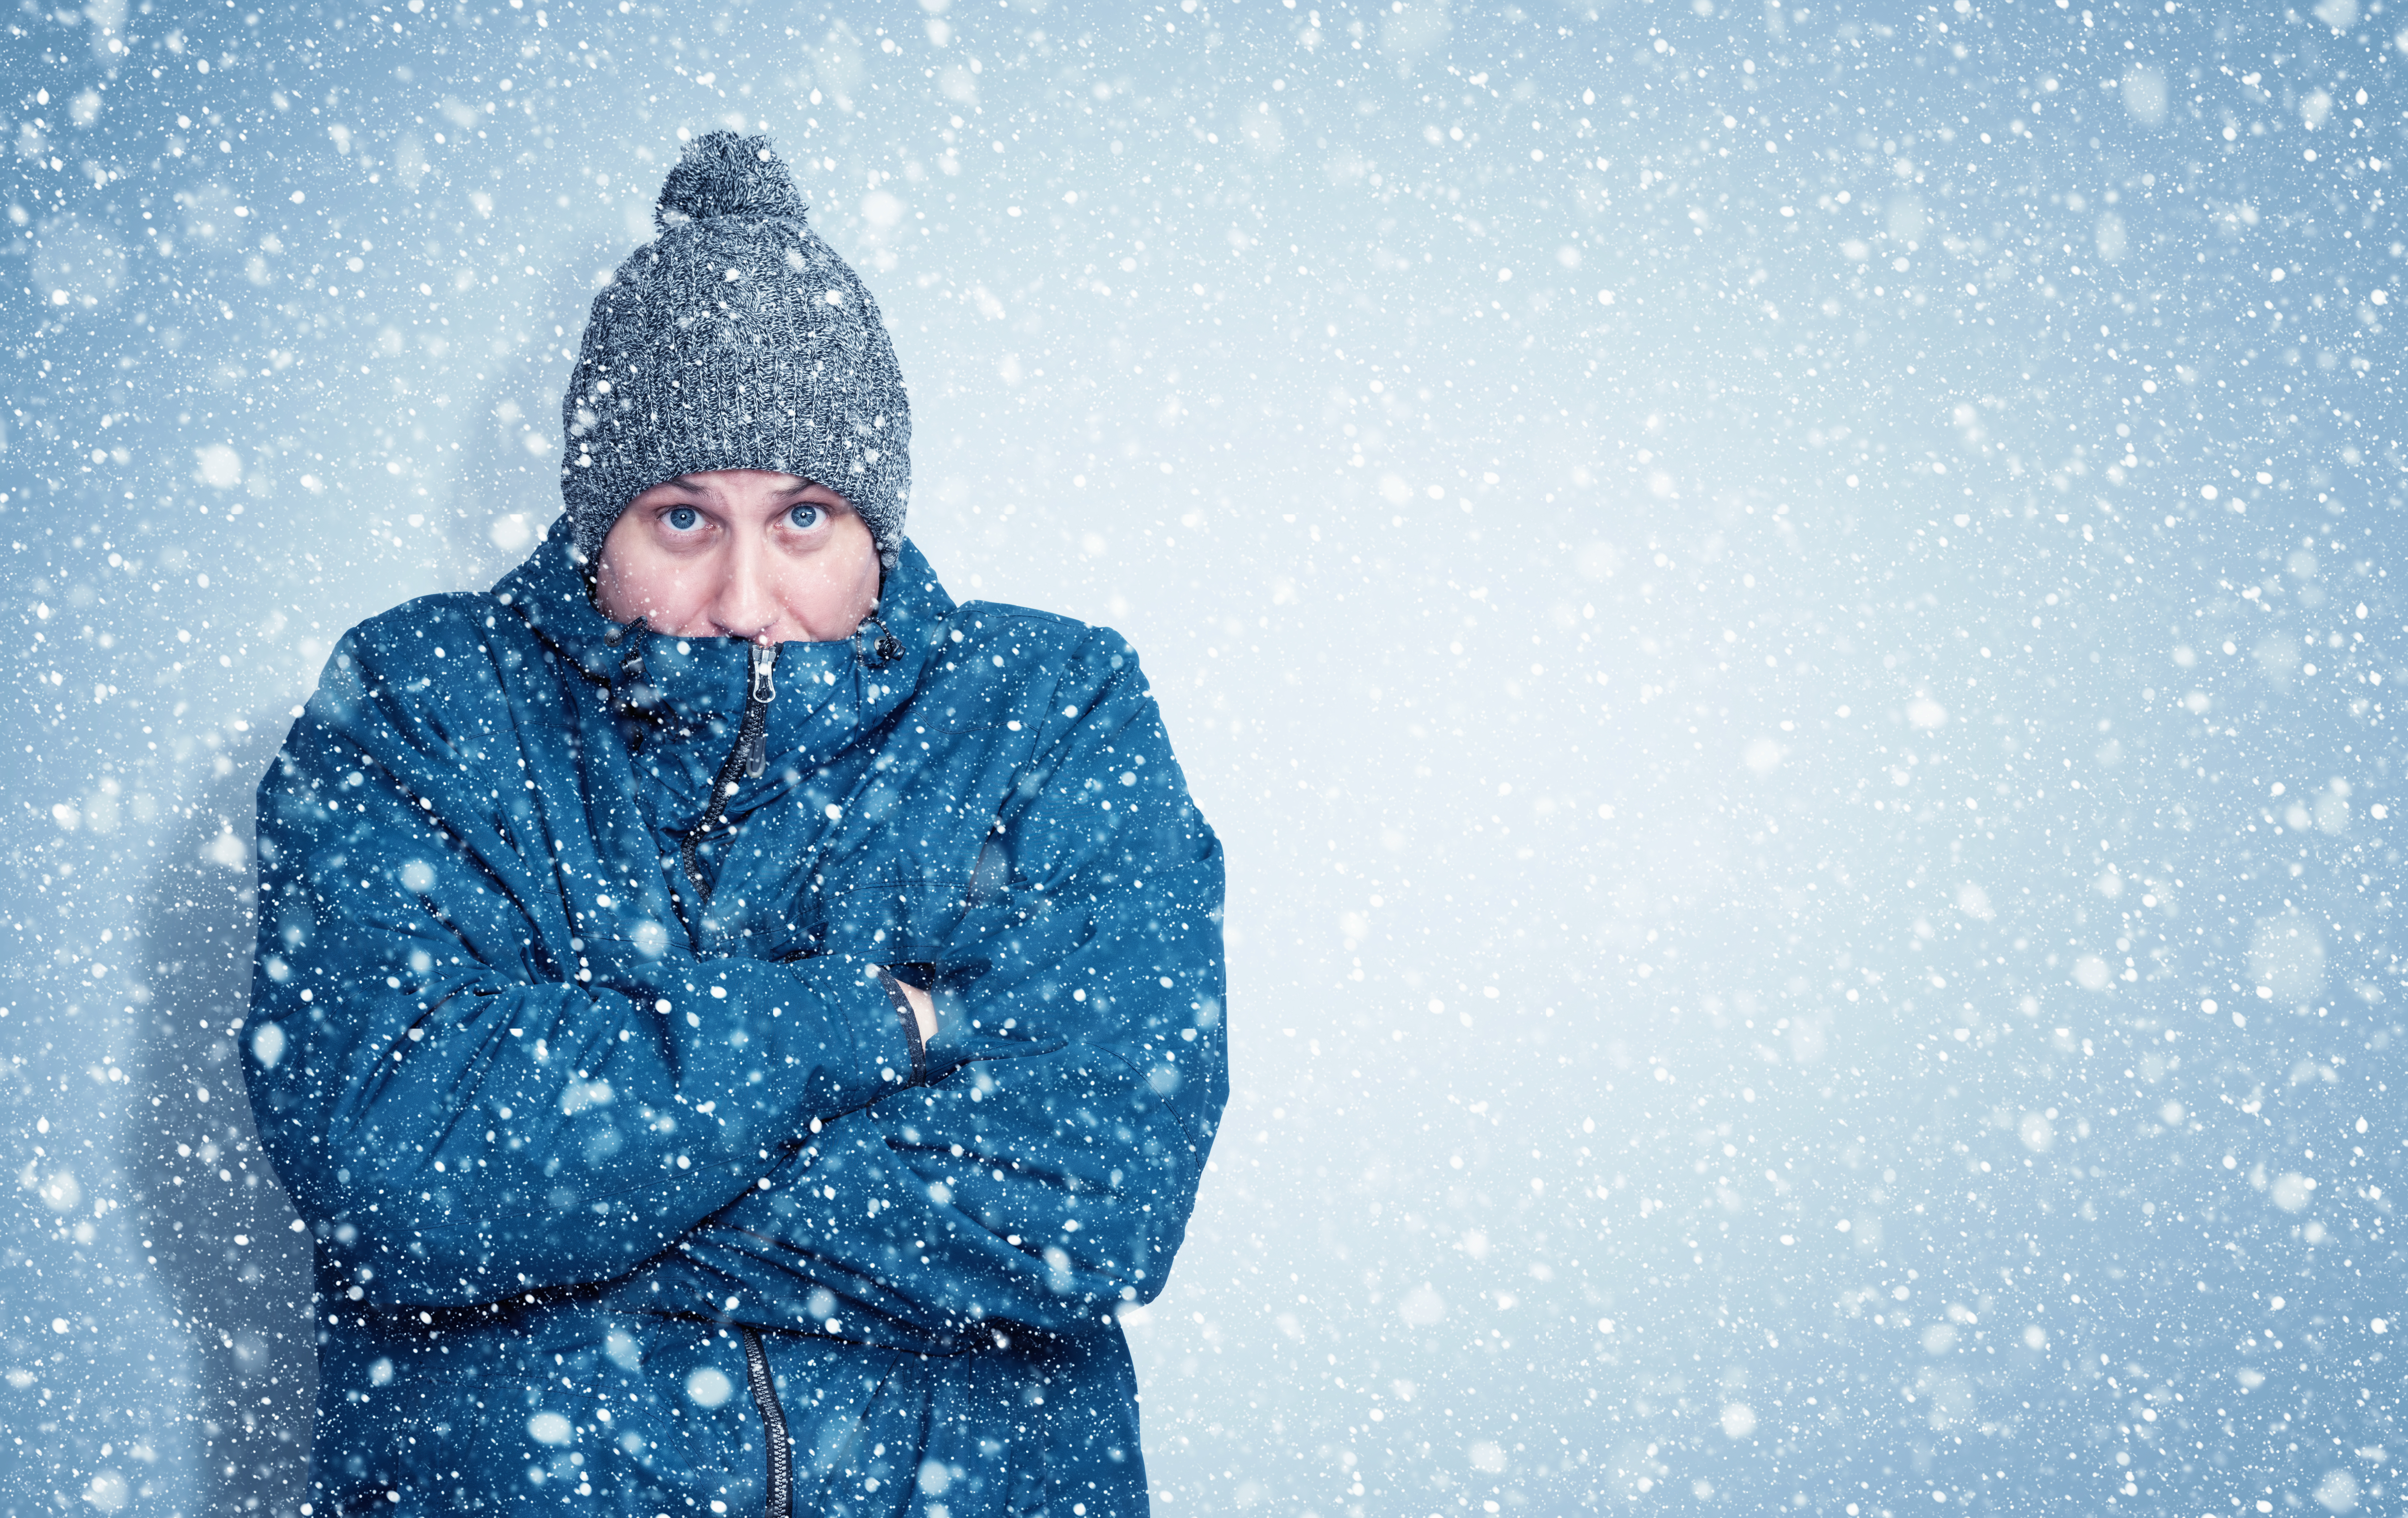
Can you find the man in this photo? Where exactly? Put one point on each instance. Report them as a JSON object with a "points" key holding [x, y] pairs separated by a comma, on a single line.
{"points": [[737, 1023]]}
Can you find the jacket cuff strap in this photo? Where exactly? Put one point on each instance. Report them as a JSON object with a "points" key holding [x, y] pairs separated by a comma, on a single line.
{"points": [[910, 1019]]}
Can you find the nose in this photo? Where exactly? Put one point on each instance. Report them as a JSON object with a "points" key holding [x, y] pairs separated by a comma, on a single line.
{"points": [[744, 606]]}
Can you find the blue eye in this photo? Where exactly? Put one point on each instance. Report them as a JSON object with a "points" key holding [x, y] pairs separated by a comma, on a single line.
{"points": [[682, 519], [804, 518]]}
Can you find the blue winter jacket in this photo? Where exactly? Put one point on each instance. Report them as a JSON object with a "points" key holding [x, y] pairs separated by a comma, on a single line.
{"points": [[631, 1188]]}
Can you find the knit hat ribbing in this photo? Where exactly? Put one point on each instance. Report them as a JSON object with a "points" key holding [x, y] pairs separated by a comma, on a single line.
{"points": [[738, 339]]}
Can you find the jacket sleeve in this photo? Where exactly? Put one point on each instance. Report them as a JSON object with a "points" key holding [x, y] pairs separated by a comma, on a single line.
{"points": [[463, 1117], [1048, 1174]]}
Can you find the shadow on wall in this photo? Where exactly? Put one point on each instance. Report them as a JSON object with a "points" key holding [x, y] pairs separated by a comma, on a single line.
{"points": [[505, 485], [228, 1254], [503, 497]]}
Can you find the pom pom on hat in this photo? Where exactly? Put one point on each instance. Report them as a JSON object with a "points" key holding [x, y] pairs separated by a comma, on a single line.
{"points": [[721, 174]]}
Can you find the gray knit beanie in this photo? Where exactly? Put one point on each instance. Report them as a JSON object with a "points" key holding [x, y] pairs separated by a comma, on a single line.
{"points": [[736, 340]]}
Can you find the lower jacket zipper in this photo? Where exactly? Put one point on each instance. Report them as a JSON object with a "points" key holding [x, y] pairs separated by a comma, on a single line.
{"points": [[749, 757], [773, 1426]]}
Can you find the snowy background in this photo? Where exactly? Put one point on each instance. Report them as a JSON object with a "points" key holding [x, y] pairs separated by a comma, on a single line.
{"points": [[1784, 612]]}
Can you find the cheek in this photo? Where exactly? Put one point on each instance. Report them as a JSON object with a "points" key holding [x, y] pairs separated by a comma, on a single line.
{"points": [[808, 585], [819, 588], [644, 580]]}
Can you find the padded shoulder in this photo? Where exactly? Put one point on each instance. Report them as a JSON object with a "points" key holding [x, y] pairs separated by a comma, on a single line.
{"points": [[457, 621], [432, 675], [986, 623]]}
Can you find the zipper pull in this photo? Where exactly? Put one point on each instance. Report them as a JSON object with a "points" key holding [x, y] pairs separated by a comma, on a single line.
{"points": [[765, 658], [752, 737]]}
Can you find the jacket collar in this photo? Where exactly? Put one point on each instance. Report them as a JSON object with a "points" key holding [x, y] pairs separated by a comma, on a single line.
{"points": [[826, 692]]}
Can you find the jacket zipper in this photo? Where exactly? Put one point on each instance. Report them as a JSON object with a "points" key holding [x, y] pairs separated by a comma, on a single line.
{"points": [[773, 1425], [749, 757]]}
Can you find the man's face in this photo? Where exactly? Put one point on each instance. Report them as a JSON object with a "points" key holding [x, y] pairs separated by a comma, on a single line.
{"points": [[741, 553]]}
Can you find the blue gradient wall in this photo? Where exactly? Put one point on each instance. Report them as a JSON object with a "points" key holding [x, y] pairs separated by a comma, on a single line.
{"points": [[1786, 613]]}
